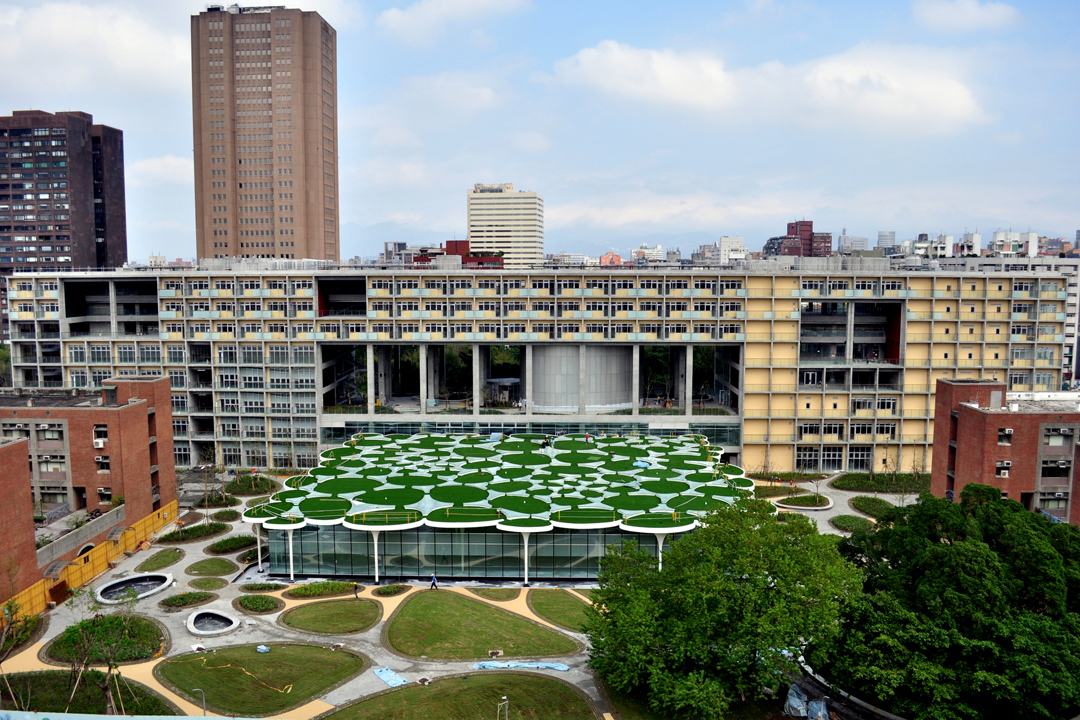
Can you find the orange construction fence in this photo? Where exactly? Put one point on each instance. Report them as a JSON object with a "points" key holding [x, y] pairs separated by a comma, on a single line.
{"points": [[84, 568]]}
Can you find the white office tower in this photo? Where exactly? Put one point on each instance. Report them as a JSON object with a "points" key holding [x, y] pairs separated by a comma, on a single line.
{"points": [[732, 249], [852, 243], [886, 238], [971, 244], [942, 246], [1029, 241], [508, 222]]}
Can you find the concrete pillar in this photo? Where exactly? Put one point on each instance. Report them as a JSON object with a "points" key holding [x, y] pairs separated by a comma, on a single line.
{"points": [[258, 544], [636, 380], [385, 377], [113, 324], [527, 369], [525, 540], [677, 367], [369, 370], [476, 379], [422, 352], [436, 371], [581, 379], [290, 533], [689, 370], [849, 344]]}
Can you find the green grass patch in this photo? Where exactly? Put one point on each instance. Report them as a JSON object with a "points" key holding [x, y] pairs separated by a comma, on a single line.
{"points": [[208, 583], [187, 599], [447, 626], [216, 500], [558, 607], [239, 681], [259, 603], [212, 566], [333, 617], [808, 500], [322, 589], [160, 560], [195, 532], [872, 506], [885, 483], [785, 476], [137, 639], [231, 544], [391, 590], [50, 692], [763, 492], [465, 698], [496, 594], [262, 587], [850, 523], [226, 515], [246, 485]]}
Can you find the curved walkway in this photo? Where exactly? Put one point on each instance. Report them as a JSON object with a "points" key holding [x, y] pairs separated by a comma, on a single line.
{"points": [[265, 629]]}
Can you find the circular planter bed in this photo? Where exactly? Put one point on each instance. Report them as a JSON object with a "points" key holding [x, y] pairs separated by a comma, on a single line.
{"points": [[231, 544], [226, 515], [850, 523], [193, 533], [872, 506], [212, 566], [391, 590], [160, 560], [248, 485], [330, 588], [262, 587], [50, 691], [496, 594], [208, 583], [805, 502], [331, 617], [139, 638], [258, 604], [187, 600]]}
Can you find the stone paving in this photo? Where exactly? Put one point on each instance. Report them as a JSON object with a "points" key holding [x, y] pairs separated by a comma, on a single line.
{"points": [[265, 629]]}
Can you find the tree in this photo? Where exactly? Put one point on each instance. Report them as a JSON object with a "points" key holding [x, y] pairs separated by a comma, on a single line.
{"points": [[5, 366], [971, 610], [732, 609], [17, 629], [98, 647]]}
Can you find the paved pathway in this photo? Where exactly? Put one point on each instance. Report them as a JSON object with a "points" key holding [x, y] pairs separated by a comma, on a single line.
{"points": [[840, 505], [266, 629]]}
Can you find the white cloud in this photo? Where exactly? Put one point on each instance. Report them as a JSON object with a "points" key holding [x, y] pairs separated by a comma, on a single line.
{"points": [[165, 170], [423, 22], [449, 91], [73, 46], [890, 89], [683, 211], [958, 16], [531, 142]]}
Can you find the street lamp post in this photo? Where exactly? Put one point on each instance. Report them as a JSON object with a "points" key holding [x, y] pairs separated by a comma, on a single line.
{"points": [[203, 700]]}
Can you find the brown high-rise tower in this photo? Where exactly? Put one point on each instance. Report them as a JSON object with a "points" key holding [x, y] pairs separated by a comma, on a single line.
{"points": [[264, 96]]}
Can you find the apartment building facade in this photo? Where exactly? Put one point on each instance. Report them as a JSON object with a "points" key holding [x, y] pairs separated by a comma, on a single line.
{"points": [[264, 102], [62, 197], [831, 367]]}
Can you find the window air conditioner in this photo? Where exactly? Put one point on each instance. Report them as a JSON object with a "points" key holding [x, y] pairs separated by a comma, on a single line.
{"points": [[1066, 431], [1008, 431], [1063, 463], [1006, 463], [1059, 495], [43, 426], [103, 491], [100, 458], [1003, 474], [20, 426], [99, 444]]}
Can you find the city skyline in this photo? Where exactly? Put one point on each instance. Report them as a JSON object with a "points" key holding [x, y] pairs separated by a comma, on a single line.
{"points": [[637, 126]]}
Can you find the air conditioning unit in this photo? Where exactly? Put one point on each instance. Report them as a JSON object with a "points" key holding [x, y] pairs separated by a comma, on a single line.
{"points": [[100, 458], [1008, 431], [43, 426], [1059, 495], [1066, 431], [104, 491], [98, 443], [1003, 474], [45, 457], [20, 426], [1063, 463], [1006, 463]]}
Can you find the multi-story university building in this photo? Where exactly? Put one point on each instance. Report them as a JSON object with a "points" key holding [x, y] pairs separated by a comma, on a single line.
{"points": [[264, 99], [61, 195], [831, 364]]}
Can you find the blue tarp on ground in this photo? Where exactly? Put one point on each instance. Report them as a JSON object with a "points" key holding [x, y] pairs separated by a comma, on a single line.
{"points": [[492, 665], [390, 677]]}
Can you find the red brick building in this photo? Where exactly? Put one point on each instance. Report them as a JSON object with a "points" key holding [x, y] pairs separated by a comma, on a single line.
{"points": [[87, 449], [800, 241], [16, 520], [1024, 447]]}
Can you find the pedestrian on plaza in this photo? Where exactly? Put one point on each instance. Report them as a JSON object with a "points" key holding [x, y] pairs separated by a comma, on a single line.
{"points": [[355, 590], [434, 583]]}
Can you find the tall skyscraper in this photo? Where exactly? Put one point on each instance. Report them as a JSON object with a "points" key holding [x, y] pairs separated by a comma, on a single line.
{"points": [[264, 97], [61, 195], [502, 220], [886, 238]]}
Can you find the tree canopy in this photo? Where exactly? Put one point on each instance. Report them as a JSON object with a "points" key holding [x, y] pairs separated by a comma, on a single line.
{"points": [[971, 610], [731, 610]]}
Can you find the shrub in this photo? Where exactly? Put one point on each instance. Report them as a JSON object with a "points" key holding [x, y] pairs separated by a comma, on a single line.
{"points": [[250, 485], [321, 589], [387, 590], [761, 491], [872, 506], [193, 533], [136, 639], [257, 603], [226, 515], [785, 476], [217, 500], [231, 544], [188, 598], [250, 556], [851, 523], [883, 482], [261, 587], [807, 500], [43, 541]]}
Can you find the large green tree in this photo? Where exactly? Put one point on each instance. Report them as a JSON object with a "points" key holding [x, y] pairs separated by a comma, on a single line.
{"points": [[731, 610], [971, 610]]}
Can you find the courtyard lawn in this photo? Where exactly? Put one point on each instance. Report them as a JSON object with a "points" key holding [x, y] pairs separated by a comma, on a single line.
{"points": [[212, 566], [240, 681], [334, 617], [161, 560], [496, 594], [208, 583], [559, 607], [448, 626], [473, 696]]}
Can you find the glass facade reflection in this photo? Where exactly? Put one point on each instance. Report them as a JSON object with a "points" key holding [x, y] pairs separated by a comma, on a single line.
{"points": [[478, 553]]}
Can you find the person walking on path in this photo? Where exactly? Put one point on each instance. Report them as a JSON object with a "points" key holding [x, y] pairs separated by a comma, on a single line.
{"points": [[434, 583], [355, 590]]}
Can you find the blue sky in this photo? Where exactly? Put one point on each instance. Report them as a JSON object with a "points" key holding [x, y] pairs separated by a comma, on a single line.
{"points": [[670, 122]]}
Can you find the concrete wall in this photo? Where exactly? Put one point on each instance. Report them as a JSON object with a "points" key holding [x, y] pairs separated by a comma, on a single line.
{"points": [[558, 374], [609, 375], [556, 371], [93, 532]]}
